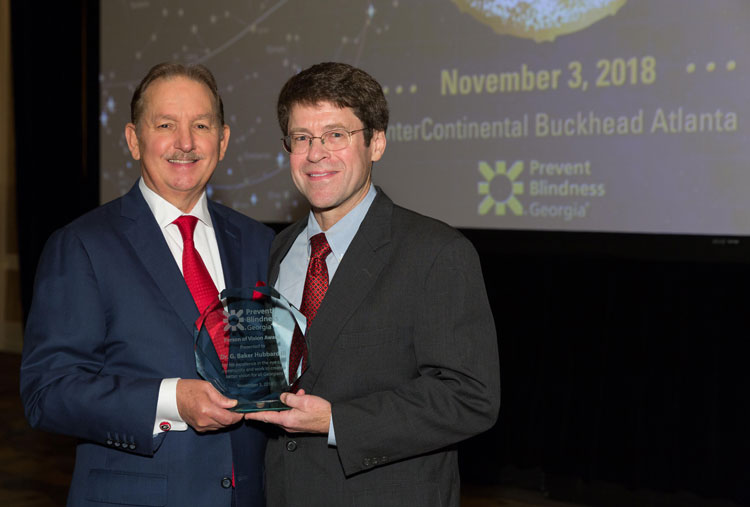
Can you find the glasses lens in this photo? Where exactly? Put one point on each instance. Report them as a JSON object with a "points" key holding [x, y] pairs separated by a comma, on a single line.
{"points": [[336, 139], [296, 143]]}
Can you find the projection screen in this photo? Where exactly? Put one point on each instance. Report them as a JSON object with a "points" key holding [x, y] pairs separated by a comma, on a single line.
{"points": [[566, 115]]}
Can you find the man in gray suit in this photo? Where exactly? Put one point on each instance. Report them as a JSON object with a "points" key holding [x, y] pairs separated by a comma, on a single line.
{"points": [[403, 359]]}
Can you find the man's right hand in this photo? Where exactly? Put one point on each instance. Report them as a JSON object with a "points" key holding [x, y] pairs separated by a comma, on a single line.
{"points": [[203, 407]]}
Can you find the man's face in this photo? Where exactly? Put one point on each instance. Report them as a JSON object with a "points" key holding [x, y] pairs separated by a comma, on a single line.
{"points": [[333, 182], [178, 140]]}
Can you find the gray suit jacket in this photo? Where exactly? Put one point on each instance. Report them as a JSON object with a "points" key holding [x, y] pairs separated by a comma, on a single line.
{"points": [[404, 347]]}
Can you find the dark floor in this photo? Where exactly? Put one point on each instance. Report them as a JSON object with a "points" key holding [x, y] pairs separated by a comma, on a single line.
{"points": [[35, 467]]}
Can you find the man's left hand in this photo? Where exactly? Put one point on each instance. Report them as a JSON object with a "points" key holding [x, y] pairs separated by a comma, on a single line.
{"points": [[308, 414]]}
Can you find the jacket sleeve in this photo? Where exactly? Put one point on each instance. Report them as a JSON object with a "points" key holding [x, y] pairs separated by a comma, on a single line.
{"points": [[455, 392], [67, 385]]}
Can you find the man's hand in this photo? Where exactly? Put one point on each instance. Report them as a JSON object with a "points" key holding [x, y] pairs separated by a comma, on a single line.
{"points": [[309, 414], [203, 407]]}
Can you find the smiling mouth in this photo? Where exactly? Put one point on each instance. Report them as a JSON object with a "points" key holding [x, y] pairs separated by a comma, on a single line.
{"points": [[183, 161]]}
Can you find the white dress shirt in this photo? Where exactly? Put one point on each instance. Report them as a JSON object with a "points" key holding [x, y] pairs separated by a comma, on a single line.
{"points": [[204, 238]]}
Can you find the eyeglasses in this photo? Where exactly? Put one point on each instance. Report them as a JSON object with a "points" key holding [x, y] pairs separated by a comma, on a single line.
{"points": [[333, 140]]}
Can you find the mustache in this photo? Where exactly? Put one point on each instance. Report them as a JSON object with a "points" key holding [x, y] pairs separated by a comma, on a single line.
{"points": [[181, 155]]}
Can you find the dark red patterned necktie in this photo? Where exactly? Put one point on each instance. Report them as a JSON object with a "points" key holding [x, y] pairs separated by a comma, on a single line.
{"points": [[202, 287], [316, 285]]}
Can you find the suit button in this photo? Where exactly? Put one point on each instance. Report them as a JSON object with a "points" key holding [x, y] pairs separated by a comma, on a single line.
{"points": [[291, 446], [226, 482]]}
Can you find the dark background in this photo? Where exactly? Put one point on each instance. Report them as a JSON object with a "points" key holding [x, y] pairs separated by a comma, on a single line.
{"points": [[622, 356]]}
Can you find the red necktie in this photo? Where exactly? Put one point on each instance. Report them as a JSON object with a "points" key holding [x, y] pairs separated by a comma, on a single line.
{"points": [[316, 285], [202, 287]]}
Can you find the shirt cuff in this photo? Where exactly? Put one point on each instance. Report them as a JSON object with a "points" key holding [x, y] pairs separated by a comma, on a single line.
{"points": [[331, 434], [167, 416]]}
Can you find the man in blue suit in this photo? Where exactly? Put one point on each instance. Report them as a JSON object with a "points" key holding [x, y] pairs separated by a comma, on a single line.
{"points": [[108, 350]]}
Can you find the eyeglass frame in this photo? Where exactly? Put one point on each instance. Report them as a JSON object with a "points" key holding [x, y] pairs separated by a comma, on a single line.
{"points": [[322, 143]]}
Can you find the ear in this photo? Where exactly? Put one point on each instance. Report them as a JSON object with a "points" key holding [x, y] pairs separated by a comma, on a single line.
{"points": [[224, 142], [377, 145], [132, 138]]}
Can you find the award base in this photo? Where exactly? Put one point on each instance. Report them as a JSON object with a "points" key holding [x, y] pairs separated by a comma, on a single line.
{"points": [[244, 406]]}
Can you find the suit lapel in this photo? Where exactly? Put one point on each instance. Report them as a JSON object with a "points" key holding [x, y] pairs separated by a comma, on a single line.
{"points": [[228, 239], [360, 268], [148, 242], [280, 247]]}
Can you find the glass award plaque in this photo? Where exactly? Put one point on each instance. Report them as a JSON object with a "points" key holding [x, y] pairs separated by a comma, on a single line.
{"points": [[257, 324]]}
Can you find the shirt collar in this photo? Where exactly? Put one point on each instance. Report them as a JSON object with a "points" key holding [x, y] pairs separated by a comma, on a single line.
{"points": [[166, 213], [342, 233]]}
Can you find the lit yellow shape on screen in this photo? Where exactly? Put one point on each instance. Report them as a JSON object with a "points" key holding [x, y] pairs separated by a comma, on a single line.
{"points": [[509, 201], [540, 20]]}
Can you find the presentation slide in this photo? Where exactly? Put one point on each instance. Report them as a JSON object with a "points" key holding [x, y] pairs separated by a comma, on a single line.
{"points": [[559, 115]]}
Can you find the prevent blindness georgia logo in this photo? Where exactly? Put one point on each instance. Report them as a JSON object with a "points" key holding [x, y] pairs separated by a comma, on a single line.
{"points": [[233, 320], [500, 188]]}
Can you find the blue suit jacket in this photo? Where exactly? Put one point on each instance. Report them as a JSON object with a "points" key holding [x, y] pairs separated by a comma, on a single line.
{"points": [[111, 317]]}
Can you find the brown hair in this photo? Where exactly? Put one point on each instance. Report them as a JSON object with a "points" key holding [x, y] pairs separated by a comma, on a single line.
{"points": [[340, 84], [168, 70]]}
